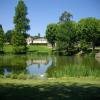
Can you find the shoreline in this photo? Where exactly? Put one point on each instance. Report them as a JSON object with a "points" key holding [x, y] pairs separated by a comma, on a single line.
{"points": [[81, 80]]}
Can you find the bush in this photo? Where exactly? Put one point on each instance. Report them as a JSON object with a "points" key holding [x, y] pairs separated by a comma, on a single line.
{"points": [[19, 49]]}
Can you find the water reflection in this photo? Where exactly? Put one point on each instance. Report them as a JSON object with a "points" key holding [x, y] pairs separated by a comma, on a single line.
{"points": [[38, 65], [26, 64]]}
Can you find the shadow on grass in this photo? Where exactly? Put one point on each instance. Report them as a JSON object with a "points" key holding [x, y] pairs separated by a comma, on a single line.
{"points": [[49, 92]]}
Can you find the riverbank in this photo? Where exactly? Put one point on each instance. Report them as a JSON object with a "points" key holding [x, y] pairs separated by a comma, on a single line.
{"points": [[40, 49], [51, 89]]}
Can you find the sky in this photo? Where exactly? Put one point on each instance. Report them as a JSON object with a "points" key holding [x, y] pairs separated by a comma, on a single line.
{"points": [[44, 12]]}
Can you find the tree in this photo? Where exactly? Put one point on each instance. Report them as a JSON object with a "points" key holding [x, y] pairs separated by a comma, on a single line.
{"points": [[8, 36], [21, 27], [65, 17], [1, 39], [51, 33], [66, 36], [89, 30], [20, 20]]}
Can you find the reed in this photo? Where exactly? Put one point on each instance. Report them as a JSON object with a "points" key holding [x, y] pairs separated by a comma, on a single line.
{"points": [[73, 71]]}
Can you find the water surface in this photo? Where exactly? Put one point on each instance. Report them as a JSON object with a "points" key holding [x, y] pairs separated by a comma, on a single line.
{"points": [[52, 66]]}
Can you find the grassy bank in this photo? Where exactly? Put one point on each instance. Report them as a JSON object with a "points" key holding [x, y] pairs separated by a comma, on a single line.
{"points": [[37, 49], [63, 80], [51, 89]]}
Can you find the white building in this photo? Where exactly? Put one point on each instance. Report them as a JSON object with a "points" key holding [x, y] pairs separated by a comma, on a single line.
{"points": [[40, 40]]}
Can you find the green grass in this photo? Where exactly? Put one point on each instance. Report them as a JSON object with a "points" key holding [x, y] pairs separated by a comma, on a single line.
{"points": [[51, 89], [42, 49], [63, 80], [73, 71], [37, 49]]}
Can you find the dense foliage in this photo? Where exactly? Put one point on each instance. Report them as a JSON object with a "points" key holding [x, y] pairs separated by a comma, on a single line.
{"points": [[71, 37], [20, 20], [89, 30], [66, 36], [19, 43], [21, 27]]}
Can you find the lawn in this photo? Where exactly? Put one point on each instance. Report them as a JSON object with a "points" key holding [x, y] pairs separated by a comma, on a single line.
{"points": [[39, 49], [31, 49], [50, 89]]}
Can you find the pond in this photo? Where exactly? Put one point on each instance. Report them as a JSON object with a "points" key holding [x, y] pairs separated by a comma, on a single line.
{"points": [[50, 66]]}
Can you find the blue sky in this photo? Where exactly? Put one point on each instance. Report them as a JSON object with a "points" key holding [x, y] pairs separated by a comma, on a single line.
{"points": [[43, 12]]}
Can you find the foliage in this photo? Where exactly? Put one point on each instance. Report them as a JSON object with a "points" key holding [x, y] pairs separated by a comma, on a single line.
{"points": [[65, 17], [21, 26], [20, 20], [83, 45], [89, 30], [63, 34], [51, 33], [1, 39], [71, 37], [66, 36], [19, 43]]}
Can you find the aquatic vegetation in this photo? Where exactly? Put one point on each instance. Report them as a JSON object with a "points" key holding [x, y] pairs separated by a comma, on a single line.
{"points": [[73, 71]]}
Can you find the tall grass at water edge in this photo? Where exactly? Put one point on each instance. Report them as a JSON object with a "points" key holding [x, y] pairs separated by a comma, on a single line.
{"points": [[73, 71]]}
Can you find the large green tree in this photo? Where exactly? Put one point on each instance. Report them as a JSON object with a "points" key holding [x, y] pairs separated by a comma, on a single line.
{"points": [[66, 36], [21, 27], [1, 39], [20, 19], [89, 30], [51, 33]]}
